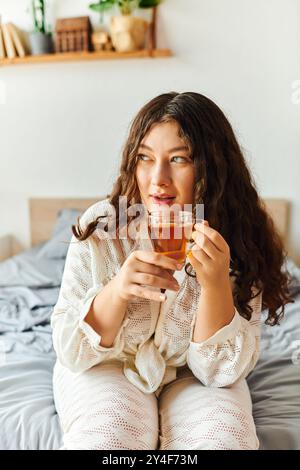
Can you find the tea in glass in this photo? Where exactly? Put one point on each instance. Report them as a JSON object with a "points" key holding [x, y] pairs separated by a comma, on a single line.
{"points": [[171, 232]]}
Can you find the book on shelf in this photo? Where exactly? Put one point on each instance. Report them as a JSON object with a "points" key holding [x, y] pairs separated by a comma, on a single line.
{"points": [[16, 39], [2, 50], [10, 42]]}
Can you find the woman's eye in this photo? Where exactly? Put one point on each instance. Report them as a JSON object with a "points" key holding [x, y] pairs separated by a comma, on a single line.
{"points": [[180, 159], [177, 159], [143, 158]]}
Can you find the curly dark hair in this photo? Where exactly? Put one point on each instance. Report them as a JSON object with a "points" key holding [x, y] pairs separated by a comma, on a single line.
{"points": [[224, 184]]}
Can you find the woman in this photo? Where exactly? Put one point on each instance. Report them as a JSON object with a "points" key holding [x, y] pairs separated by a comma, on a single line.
{"points": [[139, 369]]}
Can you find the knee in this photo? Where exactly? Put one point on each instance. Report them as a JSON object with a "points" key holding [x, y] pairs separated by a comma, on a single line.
{"points": [[235, 430], [229, 442], [112, 442], [110, 436], [209, 442], [217, 431]]}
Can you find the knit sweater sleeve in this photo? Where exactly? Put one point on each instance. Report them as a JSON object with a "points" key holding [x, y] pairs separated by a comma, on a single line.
{"points": [[77, 344], [232, 352]]}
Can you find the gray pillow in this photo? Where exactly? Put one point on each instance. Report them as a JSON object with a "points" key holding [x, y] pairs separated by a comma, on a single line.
{"points": [[57, 246]]}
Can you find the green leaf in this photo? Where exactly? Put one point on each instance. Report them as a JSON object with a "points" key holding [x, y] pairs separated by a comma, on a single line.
{"points": [[103, 5], [149, 3]]}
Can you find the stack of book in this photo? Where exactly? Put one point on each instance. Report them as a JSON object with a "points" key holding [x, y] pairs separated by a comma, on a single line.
{"points": [[10, 42]]}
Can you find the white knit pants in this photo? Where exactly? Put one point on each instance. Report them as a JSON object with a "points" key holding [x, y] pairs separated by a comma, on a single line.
{"points": [[100, 409]]}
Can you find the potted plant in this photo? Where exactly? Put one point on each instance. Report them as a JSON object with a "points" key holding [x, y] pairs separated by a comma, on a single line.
{"points": [[128, 32], [40, 40]]}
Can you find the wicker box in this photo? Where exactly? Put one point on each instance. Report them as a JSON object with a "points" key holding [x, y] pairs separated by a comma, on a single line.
{"points": [[73, 34]]}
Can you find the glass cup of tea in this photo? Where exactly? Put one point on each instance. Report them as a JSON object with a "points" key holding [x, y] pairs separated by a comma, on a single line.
{"points": [[171, 232]]}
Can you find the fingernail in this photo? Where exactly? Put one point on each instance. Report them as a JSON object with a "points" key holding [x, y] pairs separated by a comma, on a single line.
{"points": [[162, 297]]}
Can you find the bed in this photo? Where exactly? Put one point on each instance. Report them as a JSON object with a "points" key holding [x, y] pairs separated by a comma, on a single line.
{"points": [[29, 287]]}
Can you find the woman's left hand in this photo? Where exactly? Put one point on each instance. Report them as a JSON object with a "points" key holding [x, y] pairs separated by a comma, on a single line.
{"points": [[210, 256]]}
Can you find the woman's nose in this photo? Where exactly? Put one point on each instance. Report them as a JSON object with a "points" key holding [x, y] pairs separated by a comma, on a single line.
{"points": [[160, 175]]}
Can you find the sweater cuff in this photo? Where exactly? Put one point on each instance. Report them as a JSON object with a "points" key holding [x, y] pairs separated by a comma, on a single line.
{"points": [[93, 337], [224, 334]]}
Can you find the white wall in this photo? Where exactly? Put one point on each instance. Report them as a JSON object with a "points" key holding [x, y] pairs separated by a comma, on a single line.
{"points": [[62, 126]]}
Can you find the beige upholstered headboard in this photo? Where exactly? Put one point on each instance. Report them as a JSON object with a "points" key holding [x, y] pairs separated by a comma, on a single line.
{"points": [[43, 213], [279, 209]]}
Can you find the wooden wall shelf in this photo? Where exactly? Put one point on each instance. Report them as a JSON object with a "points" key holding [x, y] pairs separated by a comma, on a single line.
{"points": [[79, 56]]}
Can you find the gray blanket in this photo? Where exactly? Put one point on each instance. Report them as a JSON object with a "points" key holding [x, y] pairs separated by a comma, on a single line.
{"points": [[29, 288]]}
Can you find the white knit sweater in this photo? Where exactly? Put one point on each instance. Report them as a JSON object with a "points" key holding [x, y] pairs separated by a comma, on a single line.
{"points": [[155, 338]]}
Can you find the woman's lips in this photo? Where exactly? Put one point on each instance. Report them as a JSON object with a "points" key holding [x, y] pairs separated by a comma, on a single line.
{"points": [[167, 200]]}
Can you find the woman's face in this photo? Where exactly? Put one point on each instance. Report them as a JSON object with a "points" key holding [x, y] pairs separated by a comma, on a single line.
{"points": [[165, 172]]}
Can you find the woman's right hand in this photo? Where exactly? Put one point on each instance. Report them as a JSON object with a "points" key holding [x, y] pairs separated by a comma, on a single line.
{"points": [[142, 269]]}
